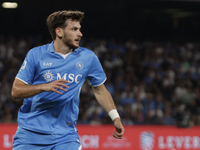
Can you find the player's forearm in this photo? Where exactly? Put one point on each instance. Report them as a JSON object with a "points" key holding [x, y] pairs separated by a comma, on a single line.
{"points": [[25, 91], [106, 101], [104, 98]]}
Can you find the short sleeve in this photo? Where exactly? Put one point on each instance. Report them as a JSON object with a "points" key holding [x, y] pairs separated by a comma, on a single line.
{"points": [[96, 75], [27, 70]]}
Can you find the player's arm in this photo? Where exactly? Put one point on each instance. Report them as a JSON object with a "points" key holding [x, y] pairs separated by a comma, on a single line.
{"points": [[105, 100], [23, 90]]}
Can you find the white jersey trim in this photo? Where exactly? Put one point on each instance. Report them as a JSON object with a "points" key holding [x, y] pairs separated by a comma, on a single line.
{"points": [[99, 84], [64, 55], [21, 80]]}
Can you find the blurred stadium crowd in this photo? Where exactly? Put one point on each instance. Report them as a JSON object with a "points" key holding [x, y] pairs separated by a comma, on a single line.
{"points": [[152, 82]]}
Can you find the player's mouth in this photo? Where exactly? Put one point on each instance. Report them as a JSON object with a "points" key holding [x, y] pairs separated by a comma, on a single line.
{"points": [[77, 41]]}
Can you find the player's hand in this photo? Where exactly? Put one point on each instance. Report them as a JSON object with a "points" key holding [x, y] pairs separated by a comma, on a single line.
{"points": [[57, 85], [119, 129]]}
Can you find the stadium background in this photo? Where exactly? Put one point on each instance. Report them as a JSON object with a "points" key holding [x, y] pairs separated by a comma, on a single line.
{"points": [[150, 52]]}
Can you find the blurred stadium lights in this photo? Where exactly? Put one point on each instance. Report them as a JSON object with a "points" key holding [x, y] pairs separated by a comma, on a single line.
{"points": [[10, 5]]}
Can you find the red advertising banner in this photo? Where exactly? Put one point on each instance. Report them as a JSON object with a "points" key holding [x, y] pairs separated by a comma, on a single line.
{"points": [[136, 137]]}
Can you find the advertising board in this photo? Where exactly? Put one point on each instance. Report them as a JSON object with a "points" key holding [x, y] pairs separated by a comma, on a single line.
{"points": [[143, 137]]}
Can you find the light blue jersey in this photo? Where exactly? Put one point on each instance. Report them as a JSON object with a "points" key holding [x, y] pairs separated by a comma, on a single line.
{"points": [[49, 112]]}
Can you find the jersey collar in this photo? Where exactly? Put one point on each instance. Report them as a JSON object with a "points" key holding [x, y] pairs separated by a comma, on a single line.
{"points": [[51, 48], [77, 50]]}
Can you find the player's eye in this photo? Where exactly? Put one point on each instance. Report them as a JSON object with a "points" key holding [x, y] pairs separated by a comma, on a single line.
{"points": [[75, 29]]}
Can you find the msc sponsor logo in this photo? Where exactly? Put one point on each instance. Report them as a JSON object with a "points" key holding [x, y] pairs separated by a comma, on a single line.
{"points": [[70, 77], [49, 76]]}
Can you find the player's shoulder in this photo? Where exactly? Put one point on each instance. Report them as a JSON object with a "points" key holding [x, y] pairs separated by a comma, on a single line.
{"points": [[87, 51], [39, 49], [37, 52]]}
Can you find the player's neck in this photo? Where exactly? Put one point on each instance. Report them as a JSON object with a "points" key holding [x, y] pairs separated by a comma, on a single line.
{"points": [[60, 47]]}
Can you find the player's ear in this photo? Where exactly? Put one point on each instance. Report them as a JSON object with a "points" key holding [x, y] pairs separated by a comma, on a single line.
{"points": [[59, 32]]}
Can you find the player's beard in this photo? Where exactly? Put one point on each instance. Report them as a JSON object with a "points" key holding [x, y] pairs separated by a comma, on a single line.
{"points": [[69, 42]]}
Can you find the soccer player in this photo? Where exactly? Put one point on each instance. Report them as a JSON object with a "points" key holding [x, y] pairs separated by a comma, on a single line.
{"points": [[50, 81]]}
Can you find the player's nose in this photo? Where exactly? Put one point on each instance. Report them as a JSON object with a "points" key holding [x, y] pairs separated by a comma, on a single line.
{"points": [[80, 34]]}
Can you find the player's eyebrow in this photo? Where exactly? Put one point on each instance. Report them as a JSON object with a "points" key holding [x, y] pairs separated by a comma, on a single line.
{"points": [[76, 27]]}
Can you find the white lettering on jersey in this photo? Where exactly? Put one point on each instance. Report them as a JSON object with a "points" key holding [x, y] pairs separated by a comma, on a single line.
{"points": [[70, 77], [59, 76], [47, 64], [77, 78]]}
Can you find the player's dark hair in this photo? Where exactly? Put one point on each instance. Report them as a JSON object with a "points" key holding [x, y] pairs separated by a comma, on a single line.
{"points": [[58, 19]]}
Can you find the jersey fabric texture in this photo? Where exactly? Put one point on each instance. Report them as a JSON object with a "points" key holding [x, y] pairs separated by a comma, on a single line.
{"points": [[30, 140], [49, 112]]}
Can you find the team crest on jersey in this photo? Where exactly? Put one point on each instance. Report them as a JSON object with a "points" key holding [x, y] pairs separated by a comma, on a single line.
{"points": [[147, 140], [79, 65], [48, 76]]}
